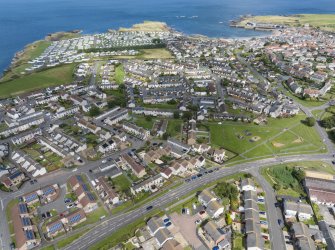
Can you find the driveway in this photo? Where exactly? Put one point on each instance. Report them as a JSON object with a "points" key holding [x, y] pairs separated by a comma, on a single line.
{"points": [[58, 204], [188, 228]]}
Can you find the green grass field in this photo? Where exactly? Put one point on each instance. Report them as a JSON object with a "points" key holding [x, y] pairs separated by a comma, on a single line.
{"points": [[279, 136], [174, 127], [121, 183], [119, 74], [50, 77], [322, 21], [143, 122], [31, 51], [282, 174]]}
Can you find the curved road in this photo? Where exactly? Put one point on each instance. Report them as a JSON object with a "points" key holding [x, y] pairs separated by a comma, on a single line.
{"points": [[106, 228]]}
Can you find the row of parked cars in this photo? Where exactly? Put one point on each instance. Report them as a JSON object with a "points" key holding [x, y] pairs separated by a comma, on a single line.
{"points": [[201, 174]]}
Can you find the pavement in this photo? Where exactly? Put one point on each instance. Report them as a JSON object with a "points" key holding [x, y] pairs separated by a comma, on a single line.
{"points": [[112, 224]]}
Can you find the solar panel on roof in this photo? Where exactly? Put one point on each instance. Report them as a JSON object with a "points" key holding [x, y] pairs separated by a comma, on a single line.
{"points": [[23, 208], [13, 176], [31, 197], [75, 218], [48, 191], [26, 221], [79, 178], [91, 196], [85, 187], [55, 227], [30, 235]]}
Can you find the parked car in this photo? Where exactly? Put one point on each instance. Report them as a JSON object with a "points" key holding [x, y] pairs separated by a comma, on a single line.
{"points": [[263, 222]]}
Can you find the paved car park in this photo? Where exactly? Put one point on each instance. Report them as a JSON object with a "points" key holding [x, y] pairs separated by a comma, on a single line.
{"points": [[58, 205]]}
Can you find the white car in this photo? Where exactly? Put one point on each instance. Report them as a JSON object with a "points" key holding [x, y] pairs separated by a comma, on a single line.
{"points": [[104, 161]]}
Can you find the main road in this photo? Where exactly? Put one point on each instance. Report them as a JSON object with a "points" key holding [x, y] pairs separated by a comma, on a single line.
{"points": [[114, 223]]}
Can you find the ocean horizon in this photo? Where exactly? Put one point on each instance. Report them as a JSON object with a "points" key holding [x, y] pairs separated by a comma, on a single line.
{"points": [[37, 18]]}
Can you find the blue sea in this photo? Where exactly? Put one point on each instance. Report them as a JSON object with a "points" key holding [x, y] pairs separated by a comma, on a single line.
{"points": [[24, 21]]}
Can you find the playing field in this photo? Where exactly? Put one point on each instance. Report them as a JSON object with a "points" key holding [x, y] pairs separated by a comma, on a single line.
{"points": [[279, 136]]}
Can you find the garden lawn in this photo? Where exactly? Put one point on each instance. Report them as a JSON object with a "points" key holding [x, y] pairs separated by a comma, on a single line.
{"points": [[121, 183], [174, 127], [143, 122]]}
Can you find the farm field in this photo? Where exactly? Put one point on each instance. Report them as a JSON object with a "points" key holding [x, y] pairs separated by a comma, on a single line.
{"points": [[50, 77]]}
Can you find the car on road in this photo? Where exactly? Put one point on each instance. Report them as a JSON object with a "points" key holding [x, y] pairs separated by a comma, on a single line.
{"points": [[333, 162], [210, 171], [12, 246], [48, 214], [202, 212], [199, 175], [67, 200], [193, 177], [149, 208], [263, 222], [280, 222], [43, 216], [103, 161], [91, 171]]}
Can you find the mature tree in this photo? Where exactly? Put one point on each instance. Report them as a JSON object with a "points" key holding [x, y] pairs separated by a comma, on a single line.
{"points": [[277, 186], [299, 174], [94, 111], [165, 136], [176, 115], [310, 121], [148, 118], [229, 220], [187, 115], [172, 102], [328, 122], [226, 190]]}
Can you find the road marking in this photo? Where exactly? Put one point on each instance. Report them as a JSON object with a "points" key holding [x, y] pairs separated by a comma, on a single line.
{"points": [[1, 205]]}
